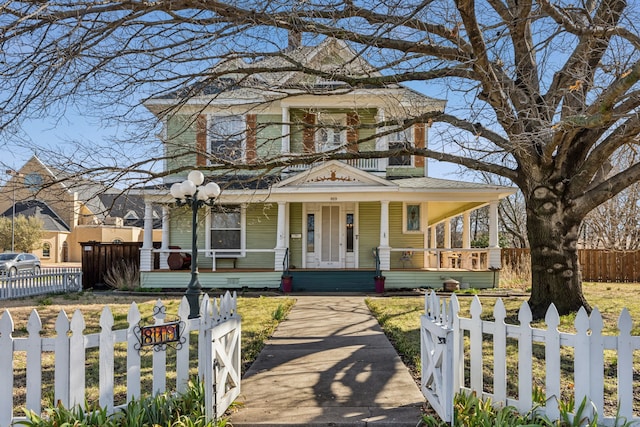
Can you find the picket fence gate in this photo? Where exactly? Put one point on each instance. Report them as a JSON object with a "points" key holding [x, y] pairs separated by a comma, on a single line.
{"points": [[443, 356], [218, 343], [49, 280]]}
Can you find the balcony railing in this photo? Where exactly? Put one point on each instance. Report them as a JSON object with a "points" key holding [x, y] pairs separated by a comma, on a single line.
{"points": [[369, 165]]}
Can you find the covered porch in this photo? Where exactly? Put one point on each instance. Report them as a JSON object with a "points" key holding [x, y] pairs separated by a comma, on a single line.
{"points": [[332, 220]]}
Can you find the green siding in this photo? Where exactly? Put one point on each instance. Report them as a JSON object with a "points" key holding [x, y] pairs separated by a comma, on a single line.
{"points": [[269, 135], [369, 232], [212, 280], [181, 137], [180, 226], [367, 117], [397, 239], [262, 221], [295, 227]]}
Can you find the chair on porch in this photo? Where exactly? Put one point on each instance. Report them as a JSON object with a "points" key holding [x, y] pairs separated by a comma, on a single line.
{"points": [[406, 257]]}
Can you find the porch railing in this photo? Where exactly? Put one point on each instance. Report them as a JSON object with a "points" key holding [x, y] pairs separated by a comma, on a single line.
{"points": [[449, 258]]}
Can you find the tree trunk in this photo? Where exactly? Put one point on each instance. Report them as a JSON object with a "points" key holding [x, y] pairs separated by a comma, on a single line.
{"points": [[553, 238]]}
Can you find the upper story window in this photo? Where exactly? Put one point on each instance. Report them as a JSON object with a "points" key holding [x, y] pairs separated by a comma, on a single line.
{"points": [[226, 135], [331, 133], [397, 140]]}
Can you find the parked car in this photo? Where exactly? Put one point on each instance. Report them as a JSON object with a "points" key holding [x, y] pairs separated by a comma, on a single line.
{"points": [[11, 263]]}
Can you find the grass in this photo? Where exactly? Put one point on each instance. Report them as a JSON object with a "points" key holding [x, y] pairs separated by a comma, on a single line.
{"points": [[400, 319], [260, 317]]}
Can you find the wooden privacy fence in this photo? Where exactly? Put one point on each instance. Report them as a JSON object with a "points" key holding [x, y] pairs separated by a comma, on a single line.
{"points": [[218, 347], [454, 360], [597, 265], [50, 280]]}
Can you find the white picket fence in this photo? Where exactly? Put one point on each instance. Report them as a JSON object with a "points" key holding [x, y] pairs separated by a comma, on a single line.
{"points": [[443, 359], [50, 280], [218, 343]]}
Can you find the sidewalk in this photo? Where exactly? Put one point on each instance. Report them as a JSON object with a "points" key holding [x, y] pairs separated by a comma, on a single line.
{"points": [[328, 364]]}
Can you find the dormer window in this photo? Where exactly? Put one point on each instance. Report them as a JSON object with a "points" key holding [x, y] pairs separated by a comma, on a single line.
{"points": [[226, 136], [400, 140]]}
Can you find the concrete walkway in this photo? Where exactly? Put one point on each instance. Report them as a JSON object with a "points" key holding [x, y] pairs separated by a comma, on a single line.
{"points": [[329, 364]]}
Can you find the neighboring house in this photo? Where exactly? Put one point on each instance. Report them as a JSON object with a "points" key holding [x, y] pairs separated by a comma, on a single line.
{"points": [[73, 211], [332, 225]]}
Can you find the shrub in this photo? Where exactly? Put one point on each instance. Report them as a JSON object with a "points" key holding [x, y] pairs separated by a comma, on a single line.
{"points": [[176, 410], [123, 276]]}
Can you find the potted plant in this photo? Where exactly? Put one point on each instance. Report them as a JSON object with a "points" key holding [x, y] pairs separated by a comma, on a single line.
{"points": [[378, 281], [286, 282]]}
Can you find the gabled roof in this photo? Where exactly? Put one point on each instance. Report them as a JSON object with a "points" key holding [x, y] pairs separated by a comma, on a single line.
{"points": [[332, 57], [131, 208], [35, 208]]}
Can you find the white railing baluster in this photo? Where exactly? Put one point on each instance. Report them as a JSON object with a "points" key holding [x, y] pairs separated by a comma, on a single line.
{"points": [[107, 343], [62, 363], [6, 369], [34, 363]]}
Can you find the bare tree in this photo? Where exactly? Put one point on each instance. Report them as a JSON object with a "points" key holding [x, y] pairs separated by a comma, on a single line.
{"points": [[546, 92], [615, 224]]}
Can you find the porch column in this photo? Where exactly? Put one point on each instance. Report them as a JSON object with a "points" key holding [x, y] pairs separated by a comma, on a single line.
{"points": [[146, 252], [164, 256], [425, 236], [433, 256], [447, 234], [281, 242], [286, 131], [494, 248], [381, 141], [384, 249], [466, 239]]}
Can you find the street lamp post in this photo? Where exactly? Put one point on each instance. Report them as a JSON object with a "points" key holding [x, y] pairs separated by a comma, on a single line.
{"points": [[192, 193], [14, 174]]}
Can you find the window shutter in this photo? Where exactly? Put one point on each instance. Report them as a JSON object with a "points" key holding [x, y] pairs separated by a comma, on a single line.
{"points": [[201, 140], [252, 130], [308, 134], [353, 122], [419, 137]]}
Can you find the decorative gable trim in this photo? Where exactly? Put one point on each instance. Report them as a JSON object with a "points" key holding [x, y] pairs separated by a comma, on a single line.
{"points": [[332, 173]]}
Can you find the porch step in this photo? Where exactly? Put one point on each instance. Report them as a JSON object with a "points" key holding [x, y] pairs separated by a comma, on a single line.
{"points": [[333, 280]]}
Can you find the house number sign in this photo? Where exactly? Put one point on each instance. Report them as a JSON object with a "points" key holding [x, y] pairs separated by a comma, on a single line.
{"points": [[160, 336]]}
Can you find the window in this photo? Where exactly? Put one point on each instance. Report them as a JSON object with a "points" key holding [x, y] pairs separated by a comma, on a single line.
{"points": [[399, 140], [226, 230], [311, 229], [331, 133], [131, 218], [46, 250], [226, 137], [349, 232], [411, 217]]}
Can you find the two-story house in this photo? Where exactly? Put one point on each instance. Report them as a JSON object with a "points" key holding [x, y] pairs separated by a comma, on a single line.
{"points": [[330, 224]]}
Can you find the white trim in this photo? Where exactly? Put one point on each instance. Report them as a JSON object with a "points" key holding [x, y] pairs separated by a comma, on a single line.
{"points": [[243, 139], [241, 253]]}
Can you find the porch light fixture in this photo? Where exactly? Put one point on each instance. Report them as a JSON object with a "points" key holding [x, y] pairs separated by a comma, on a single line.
{"points": [[192, 193]]}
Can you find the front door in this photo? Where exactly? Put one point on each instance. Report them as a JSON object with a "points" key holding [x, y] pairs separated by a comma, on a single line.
{"points": [[330, 238]]}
